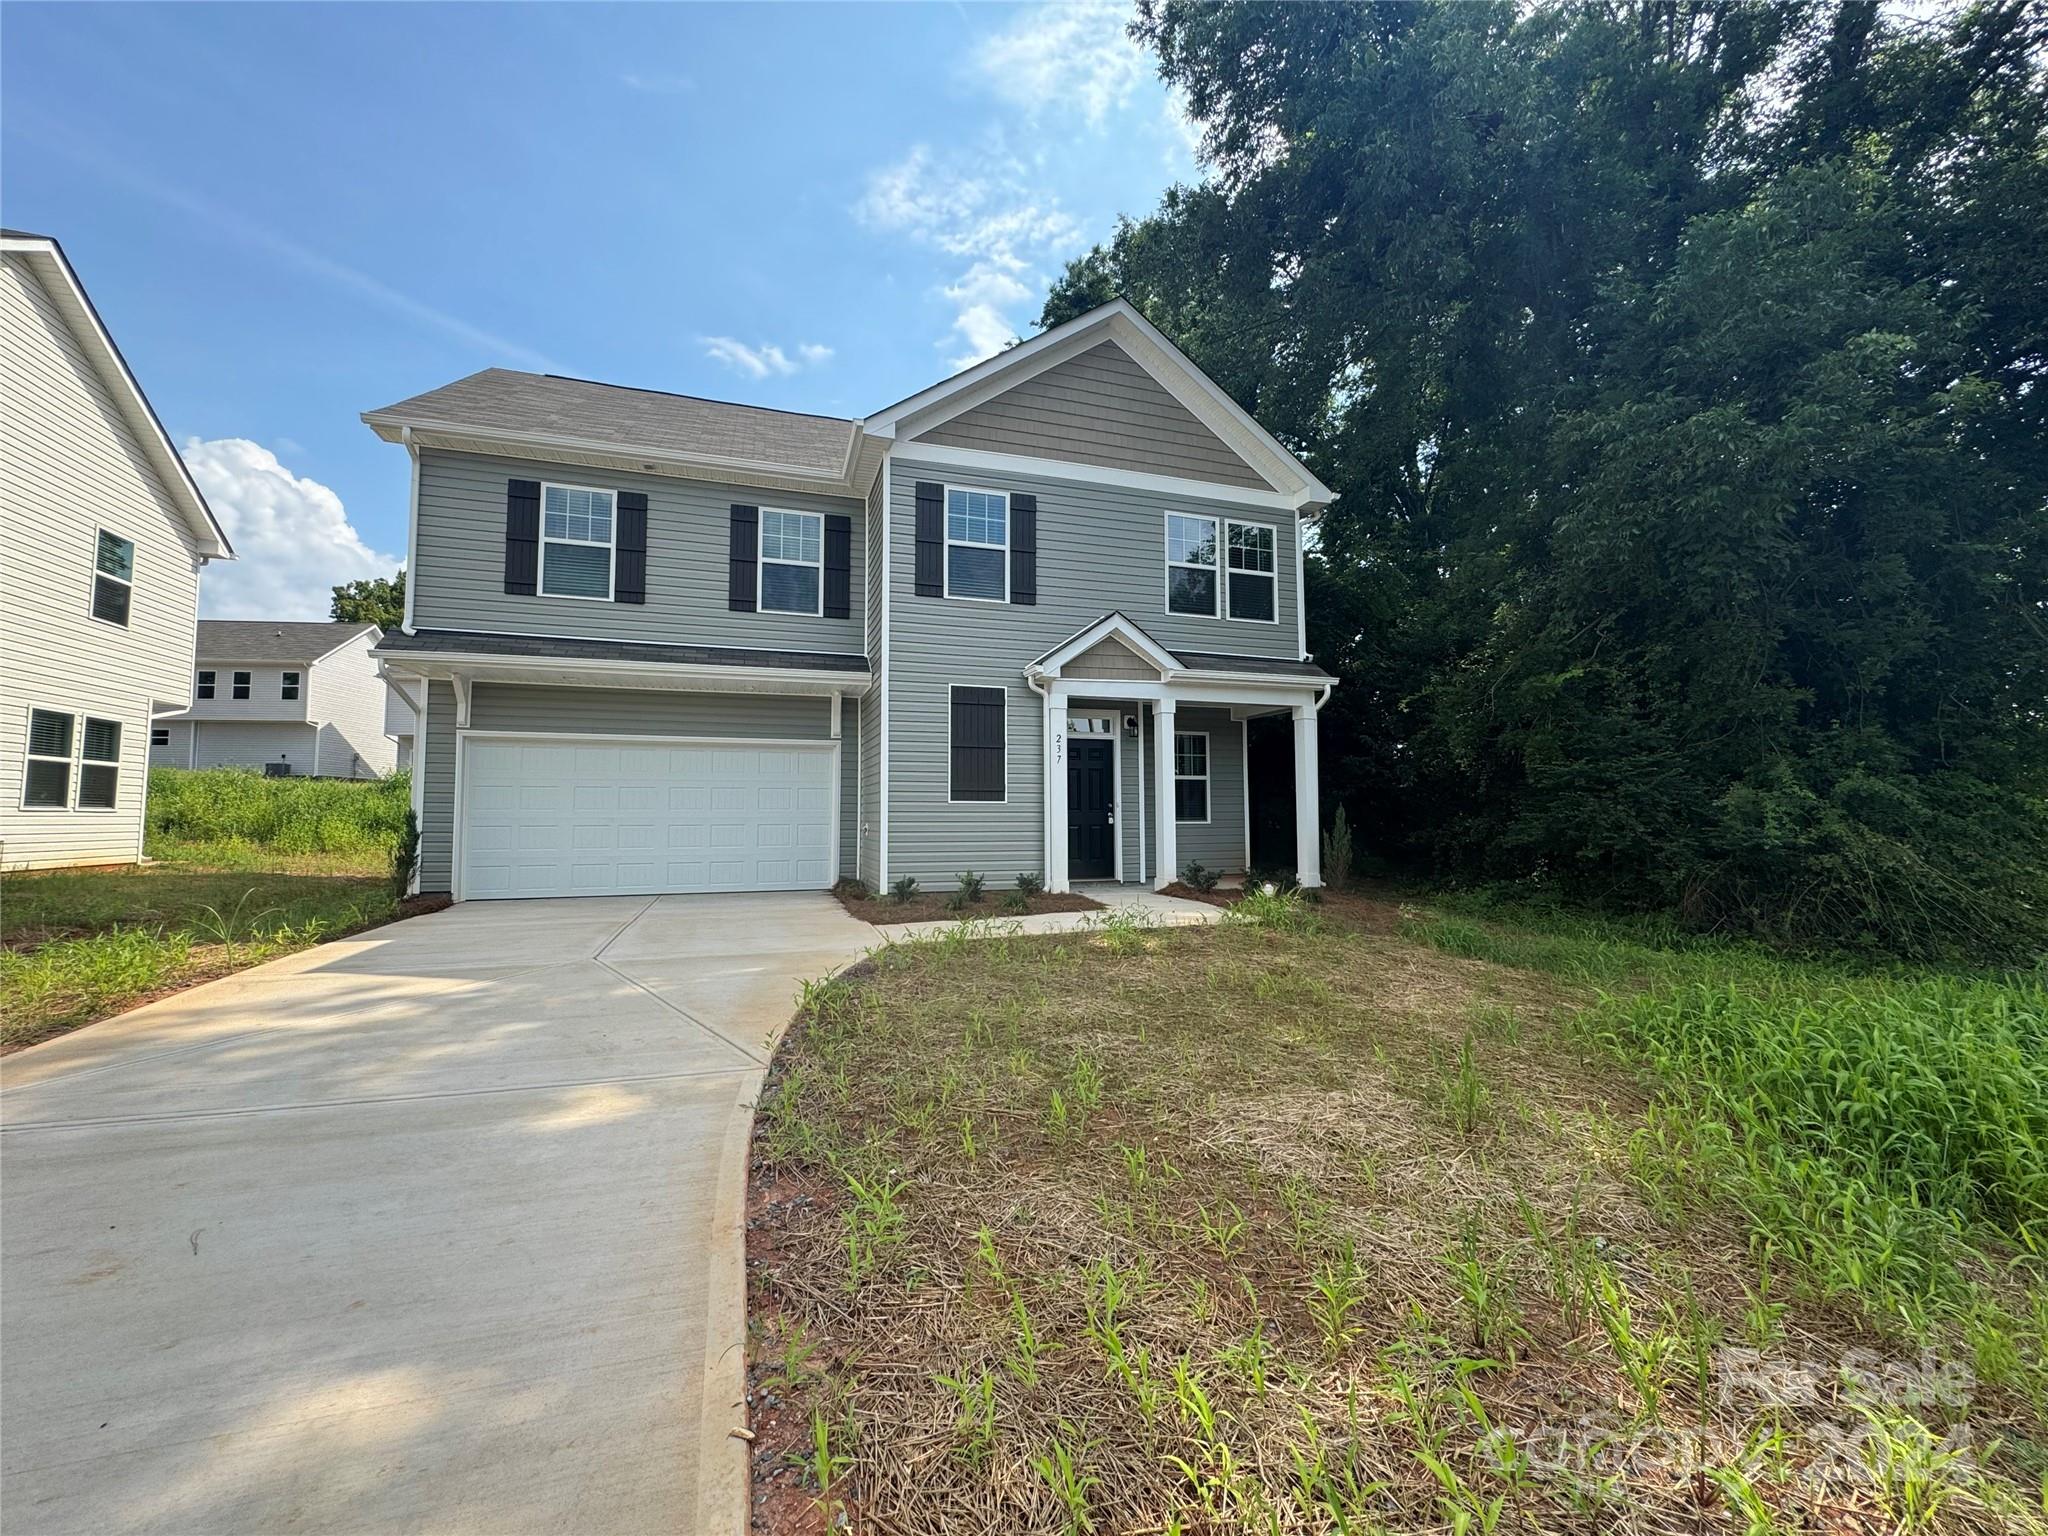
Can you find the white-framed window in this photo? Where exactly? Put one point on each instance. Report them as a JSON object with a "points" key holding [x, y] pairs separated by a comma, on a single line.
{"points": [[99, 768], [159, 735], [792, 565], [576, 542], [1191, 776], [46, 781], [1252, 574], [203, 689], [1191, 564], [979, 730], [238, 685], [287, 685], [977, 544], [113, 578]]}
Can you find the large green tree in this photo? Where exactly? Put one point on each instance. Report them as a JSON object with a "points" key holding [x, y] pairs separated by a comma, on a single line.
{"points": [[1682, 368], [378, 600]]}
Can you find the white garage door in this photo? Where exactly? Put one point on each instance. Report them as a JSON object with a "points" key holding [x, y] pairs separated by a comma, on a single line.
{"points": [[547, 818]]}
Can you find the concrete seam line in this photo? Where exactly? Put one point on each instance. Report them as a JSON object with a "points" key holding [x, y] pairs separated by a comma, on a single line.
{"points": [[683, 1013], [624, 929]]}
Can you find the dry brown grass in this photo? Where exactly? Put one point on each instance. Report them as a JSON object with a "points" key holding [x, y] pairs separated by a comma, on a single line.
{"points": [[1241, 1113]]}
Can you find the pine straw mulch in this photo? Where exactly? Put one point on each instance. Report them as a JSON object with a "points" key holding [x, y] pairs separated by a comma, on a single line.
{"points": [[931, 906], [1241, 1114]]}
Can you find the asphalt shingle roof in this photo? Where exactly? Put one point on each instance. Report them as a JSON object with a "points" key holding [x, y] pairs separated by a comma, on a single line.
{"points": [[505, 400], [272, 639], [463, 642]]}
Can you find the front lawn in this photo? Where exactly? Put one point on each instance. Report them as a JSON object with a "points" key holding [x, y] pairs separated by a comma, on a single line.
{"points": [[1330, 1221]]}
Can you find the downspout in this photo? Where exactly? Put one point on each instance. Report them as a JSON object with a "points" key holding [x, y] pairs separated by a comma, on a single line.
{"points": [[412, 527], [1044, 776]]}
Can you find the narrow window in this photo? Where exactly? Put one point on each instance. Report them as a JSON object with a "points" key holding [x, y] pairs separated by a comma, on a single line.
{"points": [[288, 685], [1191, 564], [1252, 579], [159, 735], [1191, 776], [978, 545], [241, 685], [113, 578], [99, 775], [979, 739], [204, 689], [792, 562], [575, 542], [47, 786]]}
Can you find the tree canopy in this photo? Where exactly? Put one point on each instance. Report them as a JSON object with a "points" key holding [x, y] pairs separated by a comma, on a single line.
{"points": [[378, 600], [1683, 371]]}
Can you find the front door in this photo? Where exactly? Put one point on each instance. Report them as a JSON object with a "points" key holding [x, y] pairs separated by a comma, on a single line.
{"points": [[1091, 810]]}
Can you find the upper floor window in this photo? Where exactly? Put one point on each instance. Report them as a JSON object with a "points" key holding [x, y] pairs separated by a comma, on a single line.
{"points": [[288, 685], [1191, 564], [1253, 580], [241, 685], [575, 542], [792, 562], [204, 690], [113, 578], [978, 545]]}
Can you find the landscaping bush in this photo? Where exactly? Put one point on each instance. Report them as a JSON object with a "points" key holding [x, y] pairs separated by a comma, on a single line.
{"points": [[288, 815], [970, 886], [903, 888], [1200, 876], [1029, 885]]}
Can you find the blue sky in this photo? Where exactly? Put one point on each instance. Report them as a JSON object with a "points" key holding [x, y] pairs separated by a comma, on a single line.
{"points": [[291, 214]]}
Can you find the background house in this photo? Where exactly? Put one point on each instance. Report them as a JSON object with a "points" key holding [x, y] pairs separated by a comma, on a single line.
{"points": [[102, 536], [303, 699]]}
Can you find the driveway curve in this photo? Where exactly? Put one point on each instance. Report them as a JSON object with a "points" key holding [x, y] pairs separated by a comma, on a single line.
{"points": [[436, 1229]]}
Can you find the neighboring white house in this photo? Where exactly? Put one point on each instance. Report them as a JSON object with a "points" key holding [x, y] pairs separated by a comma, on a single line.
{"points": [[102, 536], [401, 721], [302, 699]]}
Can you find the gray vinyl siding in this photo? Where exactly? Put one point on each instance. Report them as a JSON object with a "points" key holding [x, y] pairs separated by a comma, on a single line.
{"points": [[1099, 548], [461, 561], [437, 791], [177, 752], [1099, 407], [867, 862], [1220, 844]]}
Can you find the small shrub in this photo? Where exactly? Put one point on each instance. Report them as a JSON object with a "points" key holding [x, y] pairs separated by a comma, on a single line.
{"points": [[405, 856], [970, 886], [1200, 877], [956, 901], [853, 889], [1337, 851], [1016, 902], [1029, 885], [902, 890]]}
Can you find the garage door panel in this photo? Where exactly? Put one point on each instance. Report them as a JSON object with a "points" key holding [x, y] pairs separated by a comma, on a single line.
{"points": [[541, 818]]}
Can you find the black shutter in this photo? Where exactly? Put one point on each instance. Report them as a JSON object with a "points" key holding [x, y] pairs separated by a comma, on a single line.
{"points": [[838, 567], [629, 577], [522, 536], [978, 744], [743, 553], [930, 569], [1024, 549]]}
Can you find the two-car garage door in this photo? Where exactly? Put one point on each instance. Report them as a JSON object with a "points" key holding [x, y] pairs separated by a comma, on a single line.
{"points": [[541, 817]]}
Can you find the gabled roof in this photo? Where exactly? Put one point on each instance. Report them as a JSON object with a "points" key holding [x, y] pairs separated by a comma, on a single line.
{"points": [[46, 260], [1128, 632], [274, 639]]}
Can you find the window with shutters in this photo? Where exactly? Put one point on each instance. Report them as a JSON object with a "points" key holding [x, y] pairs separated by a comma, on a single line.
{"points": [[46, 785], [1191, 776], [1253, 583], [977, 545], [1191, 565], [792, 564], [576, 535], [204, 687], [99, 771], [113, 578], [288, 686], [980, 742], [238, 685]]}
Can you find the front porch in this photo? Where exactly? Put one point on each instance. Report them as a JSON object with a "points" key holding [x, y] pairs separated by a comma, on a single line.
{"points": [[1148, 760]]}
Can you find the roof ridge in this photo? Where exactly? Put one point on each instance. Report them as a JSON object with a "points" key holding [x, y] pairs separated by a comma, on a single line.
{"points": [[677, 394]]}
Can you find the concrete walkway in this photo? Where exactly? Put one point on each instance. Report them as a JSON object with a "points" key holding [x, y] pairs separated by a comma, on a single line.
{"points": [[423, 1231], [1147, 906]]}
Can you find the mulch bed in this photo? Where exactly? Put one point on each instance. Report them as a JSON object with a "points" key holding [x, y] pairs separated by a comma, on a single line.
{"points": [[930, 906]]}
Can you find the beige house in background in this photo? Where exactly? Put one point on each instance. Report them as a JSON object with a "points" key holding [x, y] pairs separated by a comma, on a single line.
{"points": [[102, 537], [294, 699]]}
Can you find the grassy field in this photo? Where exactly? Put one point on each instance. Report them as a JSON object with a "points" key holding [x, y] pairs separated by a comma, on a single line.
{"points": [[76, 946], [1359, 1219]]}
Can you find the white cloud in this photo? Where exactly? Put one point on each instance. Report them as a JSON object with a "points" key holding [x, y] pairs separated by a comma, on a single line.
{"points": [[293, 541], [1060, 57], [762, 361], [1007, 230]]}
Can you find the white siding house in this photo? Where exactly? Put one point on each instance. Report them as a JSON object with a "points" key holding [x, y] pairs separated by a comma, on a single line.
{"points": [[102, 536]]}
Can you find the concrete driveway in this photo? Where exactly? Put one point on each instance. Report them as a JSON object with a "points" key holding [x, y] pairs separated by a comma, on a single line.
{"points": [[424, 1231]]}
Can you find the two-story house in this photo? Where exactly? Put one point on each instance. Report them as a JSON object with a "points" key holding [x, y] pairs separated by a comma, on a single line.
{"points": [[102, 536], [291, 698], [1021, 621]]}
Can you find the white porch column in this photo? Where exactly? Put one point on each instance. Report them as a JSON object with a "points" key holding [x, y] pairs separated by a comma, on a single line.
{"points": [[1166, 867], [1308, 816], [1056, 792]]}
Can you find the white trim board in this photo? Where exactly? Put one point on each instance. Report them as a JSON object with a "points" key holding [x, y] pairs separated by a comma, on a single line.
{"points": [[943, 456]]}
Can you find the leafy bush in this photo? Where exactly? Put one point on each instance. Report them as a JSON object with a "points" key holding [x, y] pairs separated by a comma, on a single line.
{"points": [[287, 815], [903, 889], [956, 901], [970, 886], [1029, 885], [1017, 902], [405, 855], [1199, 876]]}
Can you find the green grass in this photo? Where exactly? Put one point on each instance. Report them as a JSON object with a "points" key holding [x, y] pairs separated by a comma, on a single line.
{"points": [[216, 805], [83, 944]]}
